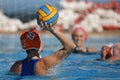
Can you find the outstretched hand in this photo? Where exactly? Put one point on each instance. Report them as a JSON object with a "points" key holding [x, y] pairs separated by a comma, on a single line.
{"points": [[46, 26]]}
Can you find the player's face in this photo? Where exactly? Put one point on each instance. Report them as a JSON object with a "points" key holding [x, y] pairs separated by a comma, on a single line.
{"points": [[79, 38], [116, 50]]}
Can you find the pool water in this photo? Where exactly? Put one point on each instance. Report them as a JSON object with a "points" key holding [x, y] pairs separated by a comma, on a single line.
{"points": [[75, 67]]}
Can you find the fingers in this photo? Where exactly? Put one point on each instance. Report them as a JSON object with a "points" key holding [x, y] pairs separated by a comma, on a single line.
{"points": [[50, 24], [45, 25], [42, 25]]}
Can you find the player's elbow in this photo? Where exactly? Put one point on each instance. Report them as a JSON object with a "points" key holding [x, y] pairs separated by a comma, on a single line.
{"points": [[72, 46]]}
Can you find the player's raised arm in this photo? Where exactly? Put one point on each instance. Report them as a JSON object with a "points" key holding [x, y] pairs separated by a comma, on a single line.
{"points": [[68, 45]]}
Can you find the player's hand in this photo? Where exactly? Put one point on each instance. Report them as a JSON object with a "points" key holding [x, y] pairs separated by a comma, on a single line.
{"points": [[46, 26]]}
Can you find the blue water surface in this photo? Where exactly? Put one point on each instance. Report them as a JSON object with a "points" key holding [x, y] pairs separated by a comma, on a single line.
{"points": [[75, 67]]}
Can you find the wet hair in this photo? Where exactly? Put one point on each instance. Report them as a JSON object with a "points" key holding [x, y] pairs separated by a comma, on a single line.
{"points": [[32, 52]]}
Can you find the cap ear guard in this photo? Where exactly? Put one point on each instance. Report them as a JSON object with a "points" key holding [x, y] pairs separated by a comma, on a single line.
{"points": [[30, 35]]}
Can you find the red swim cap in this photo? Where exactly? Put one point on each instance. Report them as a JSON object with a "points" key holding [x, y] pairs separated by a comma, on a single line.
{"points": [[79, 29], [30, 40]]}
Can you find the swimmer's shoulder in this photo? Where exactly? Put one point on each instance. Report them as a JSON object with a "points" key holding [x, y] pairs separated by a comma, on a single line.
{"points": [[16, 67], [41, 67], [50, 60]]}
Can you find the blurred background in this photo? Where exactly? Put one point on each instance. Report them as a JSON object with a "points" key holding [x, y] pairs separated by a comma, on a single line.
{"points": [[96, 16], [100, 18]]}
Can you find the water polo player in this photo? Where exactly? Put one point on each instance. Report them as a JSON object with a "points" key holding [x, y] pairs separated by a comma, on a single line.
{"points": [[115, 53], [106, 51], [33, 64], [79, 37], [110, 52]]}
